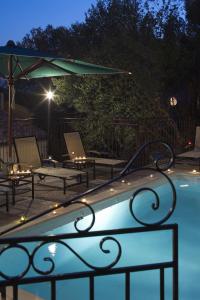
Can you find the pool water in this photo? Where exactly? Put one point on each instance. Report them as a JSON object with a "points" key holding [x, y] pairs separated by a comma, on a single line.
{"points": [[143, 248]]}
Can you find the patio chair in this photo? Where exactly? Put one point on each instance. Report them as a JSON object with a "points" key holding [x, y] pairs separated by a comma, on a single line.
{"points": [[194, 154], [27, 152], [76, 150]]}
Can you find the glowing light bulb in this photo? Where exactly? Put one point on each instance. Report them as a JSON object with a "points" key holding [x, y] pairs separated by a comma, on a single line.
{"points": [[23, 219], [49, 95]]}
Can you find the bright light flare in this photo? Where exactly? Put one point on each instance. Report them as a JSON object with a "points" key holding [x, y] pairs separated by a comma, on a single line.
{"points": [[50, 95]]}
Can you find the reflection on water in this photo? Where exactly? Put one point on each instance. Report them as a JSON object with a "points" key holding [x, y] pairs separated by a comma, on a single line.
{"points": [[136, 249]]}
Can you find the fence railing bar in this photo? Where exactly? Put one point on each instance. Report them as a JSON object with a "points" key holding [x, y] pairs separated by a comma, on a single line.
{"points": [[15, 292], [175, 265], [3, 293], [127, 285], [13, 240], [53, 290], [162, 284], [91, 288], [86, 274]]}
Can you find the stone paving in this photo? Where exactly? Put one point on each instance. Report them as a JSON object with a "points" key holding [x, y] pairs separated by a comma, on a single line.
{"points": [[49, 195]]}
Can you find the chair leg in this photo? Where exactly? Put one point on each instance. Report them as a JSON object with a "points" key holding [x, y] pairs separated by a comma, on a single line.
{"points": [[80, 178], [87, 179], [112, 171], [32, 187], [7, 202], [64, 185], [94, 171], [13, 192]]}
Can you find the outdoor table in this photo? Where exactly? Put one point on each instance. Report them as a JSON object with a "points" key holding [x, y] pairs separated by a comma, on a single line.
{"points": [[82, 163], [13, 181]]}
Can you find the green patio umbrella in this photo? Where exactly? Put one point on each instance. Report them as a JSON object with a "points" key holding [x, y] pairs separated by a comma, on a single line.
{"points": [[21, 63]]}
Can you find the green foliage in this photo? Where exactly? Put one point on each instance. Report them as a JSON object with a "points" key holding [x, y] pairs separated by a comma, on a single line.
{"points": [[193, 11], [149, 38]]}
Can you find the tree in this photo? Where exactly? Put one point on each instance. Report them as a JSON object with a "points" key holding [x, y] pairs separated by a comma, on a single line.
{"points": [[149, 41], [193, 11]]}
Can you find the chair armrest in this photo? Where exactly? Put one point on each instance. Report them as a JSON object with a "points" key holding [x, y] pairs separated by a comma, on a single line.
{"points": [[100, 154], [50, 161], [93, 153], [66, 156]]}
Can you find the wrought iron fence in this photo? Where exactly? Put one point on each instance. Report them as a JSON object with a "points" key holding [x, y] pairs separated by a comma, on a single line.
{"points": [[24, 245], [120, 139], [123, 137], [22, 127]]}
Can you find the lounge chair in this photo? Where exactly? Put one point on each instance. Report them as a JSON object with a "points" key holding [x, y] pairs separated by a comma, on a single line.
{"points": [[27, 152], [76, 150], [194, 154]]}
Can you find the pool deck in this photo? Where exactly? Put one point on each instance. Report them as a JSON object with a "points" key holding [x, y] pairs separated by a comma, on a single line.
{"points": [[51, 194]]}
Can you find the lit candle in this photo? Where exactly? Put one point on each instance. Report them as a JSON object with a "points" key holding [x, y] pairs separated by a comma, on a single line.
{"points": [[23, 219]]}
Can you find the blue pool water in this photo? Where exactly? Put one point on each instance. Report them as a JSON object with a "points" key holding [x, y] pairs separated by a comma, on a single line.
{"points": [[136, 249]]}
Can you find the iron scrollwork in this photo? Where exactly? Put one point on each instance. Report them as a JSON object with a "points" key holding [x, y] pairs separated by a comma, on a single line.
{"points": [[156, 204], [49, 260], [159, 168]]}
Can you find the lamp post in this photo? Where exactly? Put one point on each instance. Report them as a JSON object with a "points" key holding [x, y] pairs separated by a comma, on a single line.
{"points": [[49, 96]]}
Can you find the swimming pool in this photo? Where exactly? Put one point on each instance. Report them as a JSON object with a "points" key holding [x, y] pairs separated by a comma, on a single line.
{"points": [[141, 249]]}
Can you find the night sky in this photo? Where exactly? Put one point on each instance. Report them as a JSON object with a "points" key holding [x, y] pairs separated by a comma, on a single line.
{"points": [[18, 17]]}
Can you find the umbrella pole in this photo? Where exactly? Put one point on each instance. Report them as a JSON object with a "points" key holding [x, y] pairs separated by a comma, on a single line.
{"points": [[10, 95]]}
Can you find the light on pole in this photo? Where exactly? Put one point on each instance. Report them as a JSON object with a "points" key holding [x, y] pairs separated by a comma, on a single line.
{"points": [[173, 101], [49, 96], [173, 104]]}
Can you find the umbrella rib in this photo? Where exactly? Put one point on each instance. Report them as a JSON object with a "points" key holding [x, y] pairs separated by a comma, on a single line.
{"points": [[30, 69], [19, 65], [38, 64]]}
